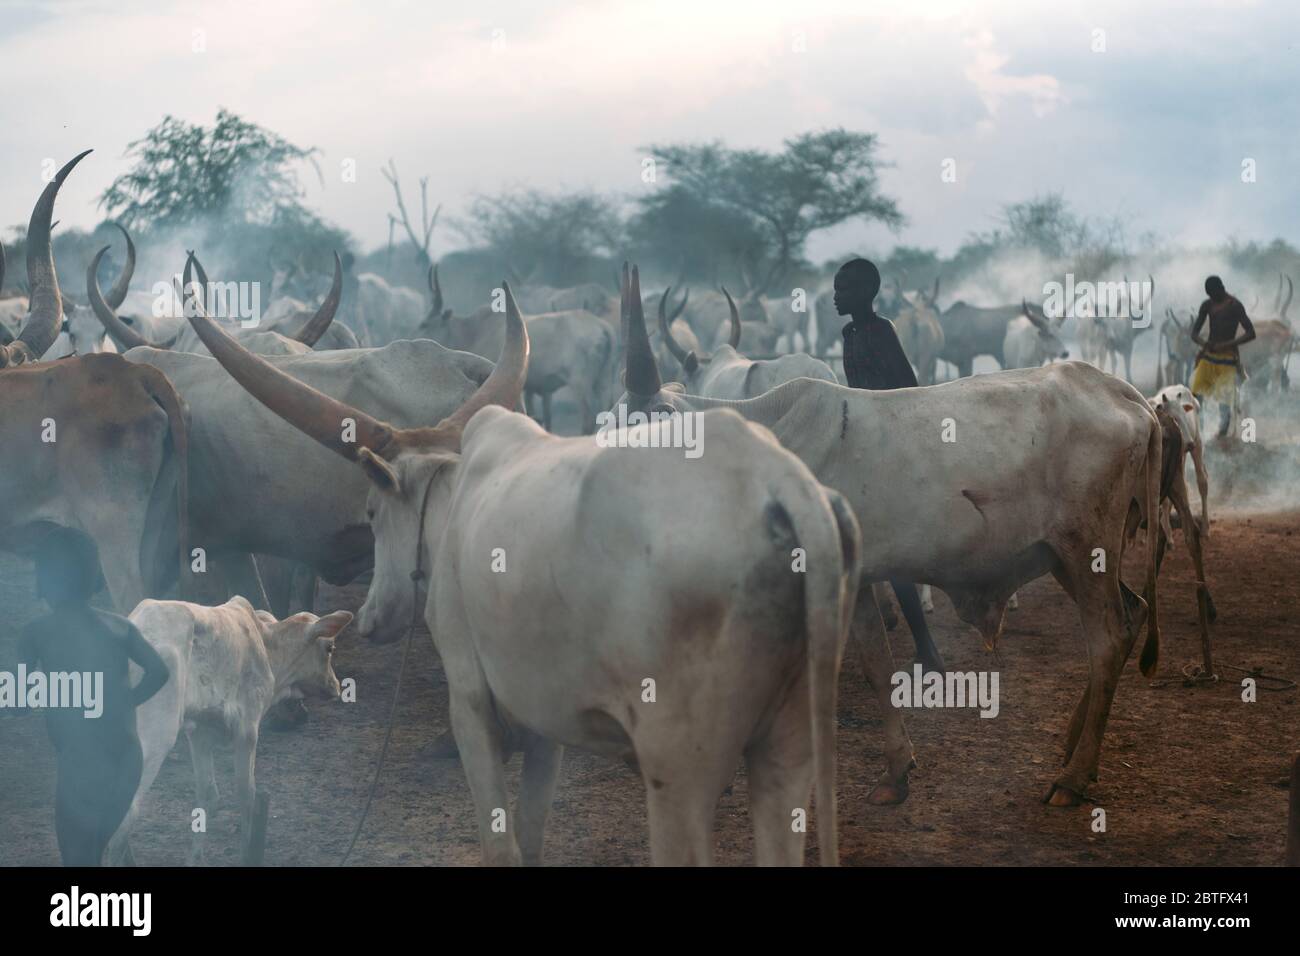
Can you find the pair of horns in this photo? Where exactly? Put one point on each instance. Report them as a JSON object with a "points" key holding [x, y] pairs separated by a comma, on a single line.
{"points": [[45, 303], [689, 360], [129, 338], [438, 310], [321, 417]]}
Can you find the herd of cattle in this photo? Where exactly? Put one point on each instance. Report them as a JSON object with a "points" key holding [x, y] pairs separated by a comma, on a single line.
{"points": [[561, 577]]}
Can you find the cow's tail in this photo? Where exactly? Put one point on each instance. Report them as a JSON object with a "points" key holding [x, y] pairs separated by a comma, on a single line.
{"points": [[1151, 649], [826, 529], [160, 388]]}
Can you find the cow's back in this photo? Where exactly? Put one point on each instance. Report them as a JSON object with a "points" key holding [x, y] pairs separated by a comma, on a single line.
{"points": [[634, 527], [1005, 459], [227, 673]]}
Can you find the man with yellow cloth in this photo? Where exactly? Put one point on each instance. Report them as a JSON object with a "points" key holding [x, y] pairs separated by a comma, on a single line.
{"points": [[1218, 365]]}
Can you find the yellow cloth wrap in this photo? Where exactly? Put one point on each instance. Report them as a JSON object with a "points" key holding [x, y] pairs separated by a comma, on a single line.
{"points": [[1215, 376]]}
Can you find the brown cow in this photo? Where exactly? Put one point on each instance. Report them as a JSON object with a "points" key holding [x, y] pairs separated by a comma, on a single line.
{"points": [[94, 443]]}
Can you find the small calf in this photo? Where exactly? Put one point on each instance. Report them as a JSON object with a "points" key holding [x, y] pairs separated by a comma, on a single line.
{"points": [[229, 665]]}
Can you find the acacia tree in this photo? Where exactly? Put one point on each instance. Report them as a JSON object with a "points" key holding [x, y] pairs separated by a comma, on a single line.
{"points": [[184, 172], [769, 203], [231, 188]]}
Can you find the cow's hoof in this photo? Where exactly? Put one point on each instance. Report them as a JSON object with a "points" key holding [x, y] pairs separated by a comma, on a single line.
{"points": [[891, 620], [1061, 796], [888, 793], [287, 715]]}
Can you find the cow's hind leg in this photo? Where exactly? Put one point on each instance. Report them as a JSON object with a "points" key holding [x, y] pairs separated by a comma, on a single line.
{"points": [[482, 747], [546, 410], [1202, 486], [246, 784], [536, 791], [878, 668], [1109, 640], [206, 796], [780, 782], [1204, 605], [685, 767], [119, 535]]}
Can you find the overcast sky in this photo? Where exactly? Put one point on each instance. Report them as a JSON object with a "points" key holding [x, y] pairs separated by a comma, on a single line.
{"points": [[488, 95]]}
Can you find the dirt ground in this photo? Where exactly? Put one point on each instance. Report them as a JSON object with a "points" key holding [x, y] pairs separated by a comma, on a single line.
{"points": [[1189, 775]]}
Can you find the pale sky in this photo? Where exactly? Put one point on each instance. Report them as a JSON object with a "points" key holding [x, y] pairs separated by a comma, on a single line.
{"points": [[483, 96]]}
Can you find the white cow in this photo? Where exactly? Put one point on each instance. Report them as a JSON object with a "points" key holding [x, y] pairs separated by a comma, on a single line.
{"points": [[726, 373], [1181, 405], [1047, 465], [626, 575], [1030, 341], [296, 335], [228, 665], [117, 469], [386, 313], [574, 350]]}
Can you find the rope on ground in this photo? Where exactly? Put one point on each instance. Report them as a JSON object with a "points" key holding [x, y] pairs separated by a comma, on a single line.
{"points": [[392, 719], [416, 577], [1194, 675]]}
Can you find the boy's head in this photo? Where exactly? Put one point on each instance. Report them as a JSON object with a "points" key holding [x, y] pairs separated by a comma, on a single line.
{"points": [[856, 285], [1214, 288], [67, 568]]}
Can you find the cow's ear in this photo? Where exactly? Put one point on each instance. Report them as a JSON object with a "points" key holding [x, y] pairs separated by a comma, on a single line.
{"points": [[328, 627], [379, 471]]}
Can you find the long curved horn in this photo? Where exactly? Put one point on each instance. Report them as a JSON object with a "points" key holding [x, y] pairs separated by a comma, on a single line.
{"points": [[122, 333], [1034, 320], [192, 262], [2, 266], [934, 296], [45, 303], [312, 412], [733, 338], [502, 387], [680, 308], [1277, 299], [321, 417], [666, 331], [117, 295], [642, 375], [310, 333], [1290, 292]]}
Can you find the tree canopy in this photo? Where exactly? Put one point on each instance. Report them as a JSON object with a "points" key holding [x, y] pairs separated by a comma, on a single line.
{"points": [[752, 211], [234, 170]]}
